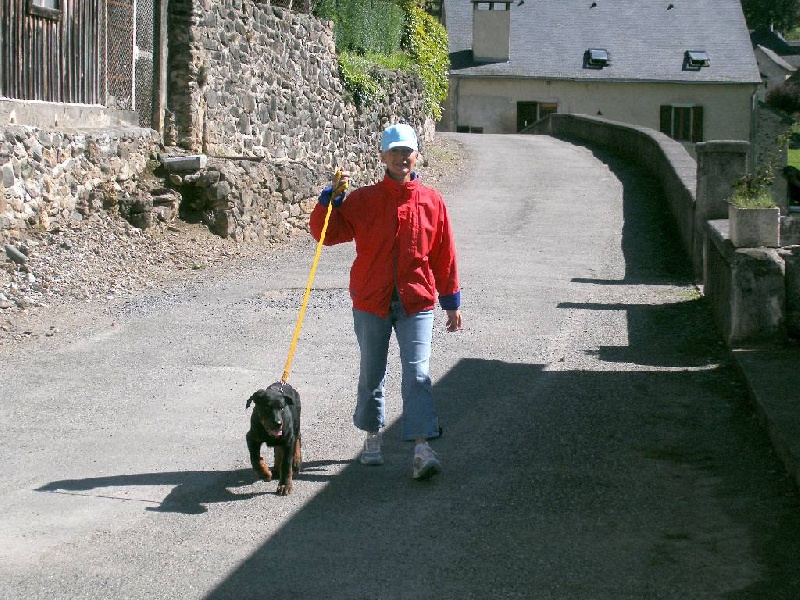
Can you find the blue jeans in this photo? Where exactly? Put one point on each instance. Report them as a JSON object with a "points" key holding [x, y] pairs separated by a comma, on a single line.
{"points": [[414, 333]]}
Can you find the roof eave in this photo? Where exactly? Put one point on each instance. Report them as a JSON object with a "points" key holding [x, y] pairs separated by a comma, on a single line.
{"points": [[602, 79]]}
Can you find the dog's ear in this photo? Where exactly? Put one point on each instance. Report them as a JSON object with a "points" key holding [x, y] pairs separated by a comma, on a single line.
{"points": [[252, 398], [290, 394]]}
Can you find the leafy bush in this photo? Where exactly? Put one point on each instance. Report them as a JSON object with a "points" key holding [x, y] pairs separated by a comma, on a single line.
{"points": [[785, 97], [369, 37], [361, 79]]}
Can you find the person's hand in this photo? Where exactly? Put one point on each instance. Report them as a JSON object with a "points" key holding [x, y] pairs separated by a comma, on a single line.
{"points": [[339, 183], [453, 320], [340, 177], [325, 197]]}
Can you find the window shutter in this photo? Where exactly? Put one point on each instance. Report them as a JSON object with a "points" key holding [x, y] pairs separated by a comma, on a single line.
{"points": [[666, 119], [697, 124]]}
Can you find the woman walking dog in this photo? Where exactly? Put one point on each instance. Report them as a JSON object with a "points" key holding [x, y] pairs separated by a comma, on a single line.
{"points": [[405, 257]]}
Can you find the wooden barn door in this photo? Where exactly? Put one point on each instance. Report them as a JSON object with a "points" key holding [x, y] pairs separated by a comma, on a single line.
{"points": [[97, 52], [52, 50]]}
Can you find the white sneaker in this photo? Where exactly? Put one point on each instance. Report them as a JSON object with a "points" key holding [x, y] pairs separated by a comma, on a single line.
{"points": [[371, 454], [426, 463]]}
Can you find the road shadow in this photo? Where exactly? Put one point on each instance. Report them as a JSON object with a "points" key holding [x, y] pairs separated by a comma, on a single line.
{"points": [[574, 484], [675, 334], [192, 491], [679, 333], [651, 243], [565, 484]]}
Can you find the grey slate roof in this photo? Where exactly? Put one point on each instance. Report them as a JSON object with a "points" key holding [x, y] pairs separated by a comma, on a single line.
{"points": [[645, 40]]}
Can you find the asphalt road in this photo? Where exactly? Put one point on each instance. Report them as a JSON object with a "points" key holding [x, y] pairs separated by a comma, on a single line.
{"points": [[598, 443]]}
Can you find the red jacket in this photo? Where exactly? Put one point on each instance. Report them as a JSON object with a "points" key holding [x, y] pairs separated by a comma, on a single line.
{"points": [[403, 238]]}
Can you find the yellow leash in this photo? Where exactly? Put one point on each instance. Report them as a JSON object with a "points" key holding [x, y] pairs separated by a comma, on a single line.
{"points": [[338, 187]]}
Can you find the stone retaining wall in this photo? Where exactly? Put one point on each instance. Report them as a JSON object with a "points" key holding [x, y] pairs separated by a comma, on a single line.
{"points": [[48, 177], [261, 81]]}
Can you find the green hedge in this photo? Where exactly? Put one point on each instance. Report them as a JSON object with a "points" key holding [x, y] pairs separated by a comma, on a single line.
{"points": [[363, 26]]}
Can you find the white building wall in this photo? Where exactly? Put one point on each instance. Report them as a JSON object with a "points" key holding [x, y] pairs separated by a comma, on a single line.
{"points": [[491, 103], [774, 70]]}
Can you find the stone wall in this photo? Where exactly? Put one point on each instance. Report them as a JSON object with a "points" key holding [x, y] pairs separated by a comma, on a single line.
{"points": [[253, 86], [261, 82]]}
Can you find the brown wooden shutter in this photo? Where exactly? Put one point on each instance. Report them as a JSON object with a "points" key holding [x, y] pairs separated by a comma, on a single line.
{"points": [[666, 119], [697, 124]]}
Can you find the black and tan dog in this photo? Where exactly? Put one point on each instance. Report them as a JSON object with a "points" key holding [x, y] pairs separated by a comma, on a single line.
{"points": [[275, 421]]}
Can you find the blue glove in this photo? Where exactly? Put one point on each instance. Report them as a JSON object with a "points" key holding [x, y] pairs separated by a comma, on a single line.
{"points": [[325, 197]]}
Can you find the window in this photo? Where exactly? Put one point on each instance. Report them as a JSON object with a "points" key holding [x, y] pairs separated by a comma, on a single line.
{"points": [[682, 122], [596, 58], [50, 9]]}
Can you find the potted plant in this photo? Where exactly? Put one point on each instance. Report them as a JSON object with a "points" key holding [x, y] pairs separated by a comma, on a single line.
{"points": [[753, 215]]}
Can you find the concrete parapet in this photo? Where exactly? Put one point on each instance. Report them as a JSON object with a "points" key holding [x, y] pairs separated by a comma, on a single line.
{"points": [[664, 158], [719, 163], [746, 288], [790, 230], [754, 292], [791, 258]]}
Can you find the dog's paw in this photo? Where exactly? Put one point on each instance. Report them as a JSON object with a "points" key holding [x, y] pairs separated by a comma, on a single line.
{"points": [[284, 489], [263, 471]]}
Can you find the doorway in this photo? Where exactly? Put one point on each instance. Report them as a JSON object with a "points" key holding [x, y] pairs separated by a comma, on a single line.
{"points": [[529, 113]]}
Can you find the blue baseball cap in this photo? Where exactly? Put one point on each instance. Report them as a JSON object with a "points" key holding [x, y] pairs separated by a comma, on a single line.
{"points": [[399, 135]]}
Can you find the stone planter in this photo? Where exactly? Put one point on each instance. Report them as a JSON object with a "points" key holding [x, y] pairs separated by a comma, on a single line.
{"points": [[754, 227]]}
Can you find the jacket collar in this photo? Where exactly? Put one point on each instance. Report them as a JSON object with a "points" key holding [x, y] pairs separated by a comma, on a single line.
{"points": [[393, 185]]}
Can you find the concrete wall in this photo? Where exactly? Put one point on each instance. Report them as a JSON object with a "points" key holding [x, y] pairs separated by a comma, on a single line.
{"points": [[491, 103], [747, 288], [50, 115]]}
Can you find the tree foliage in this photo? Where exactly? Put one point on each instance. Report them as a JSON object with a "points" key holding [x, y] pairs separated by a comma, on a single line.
{"points": [[780, 14], [785, 97]]}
